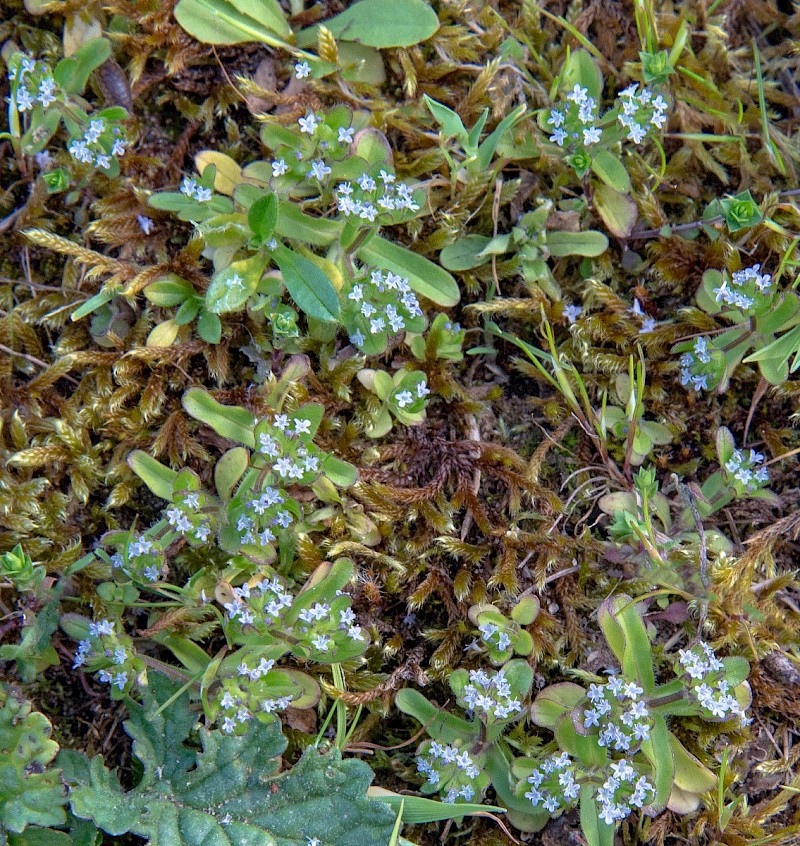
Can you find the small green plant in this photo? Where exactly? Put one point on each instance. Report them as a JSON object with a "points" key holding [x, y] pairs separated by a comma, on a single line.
{"points": [[31, 791], [503, 637], [586, 137], [444, 341], [739, 212], [615, 751], [42, 97], [765, 321], [465, 756], [475, 156], [103, 649], [337, 166], [267, 622], [402, 397], [742, 475], [17, 568], [363, 29], [532, 244], [229, 790]]}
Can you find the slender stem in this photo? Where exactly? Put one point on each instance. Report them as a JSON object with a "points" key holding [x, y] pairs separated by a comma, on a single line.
{"points": [[667, 699]]}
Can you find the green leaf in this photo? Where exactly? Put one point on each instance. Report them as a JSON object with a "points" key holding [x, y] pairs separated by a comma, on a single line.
{"points": [[417, 810], [588, 244], [31, 793], [737, 669], [169, 290], [367, 22], [154, 474], [775, 372], [624, 630], [658, 751], [781, 348], [263, 216], [725, 444], [307, 285], [450, 122], [95, 302], [581, 69], [341, 473], [596, 832], [209, 327], [231, 288], [611, 170], [220, 22], [618, 211], [487, 148], [690, 774], [187, 311], [229, 470], [465, 253], [439, 724], [72, 74], [317, 231], [192, 656], [230, 421], [555, 701], [229, 793], [41, 837], [425, 278]]}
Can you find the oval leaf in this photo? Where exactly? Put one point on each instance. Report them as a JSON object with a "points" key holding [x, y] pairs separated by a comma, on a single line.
{"points": [[465, 253], [307, 285], [230, 421], [425, 278], [367, 22], [619, 211]]}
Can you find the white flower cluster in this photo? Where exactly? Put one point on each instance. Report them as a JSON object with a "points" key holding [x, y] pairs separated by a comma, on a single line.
{"points": [[708, 684], [274, 600], [267, 606], [143, 558], [553, 784], [449, 766], [554, 787], [99, 144], [577, 121], [640, 111], [744, 285], [577, 124], [623, 720], [36, 84], [746, 469], [624, 790], [246, 696], [405, 398], [378, 305], [103, 646], [191, 189], [292, 459], [489, 696], [369, 197], [489, 630], [185, 519], [692, 364]]}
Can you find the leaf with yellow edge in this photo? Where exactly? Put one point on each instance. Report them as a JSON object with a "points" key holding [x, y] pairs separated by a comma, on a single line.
{"points": [[164, 334], [618, 211], [229, 174], [690, 774]]}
